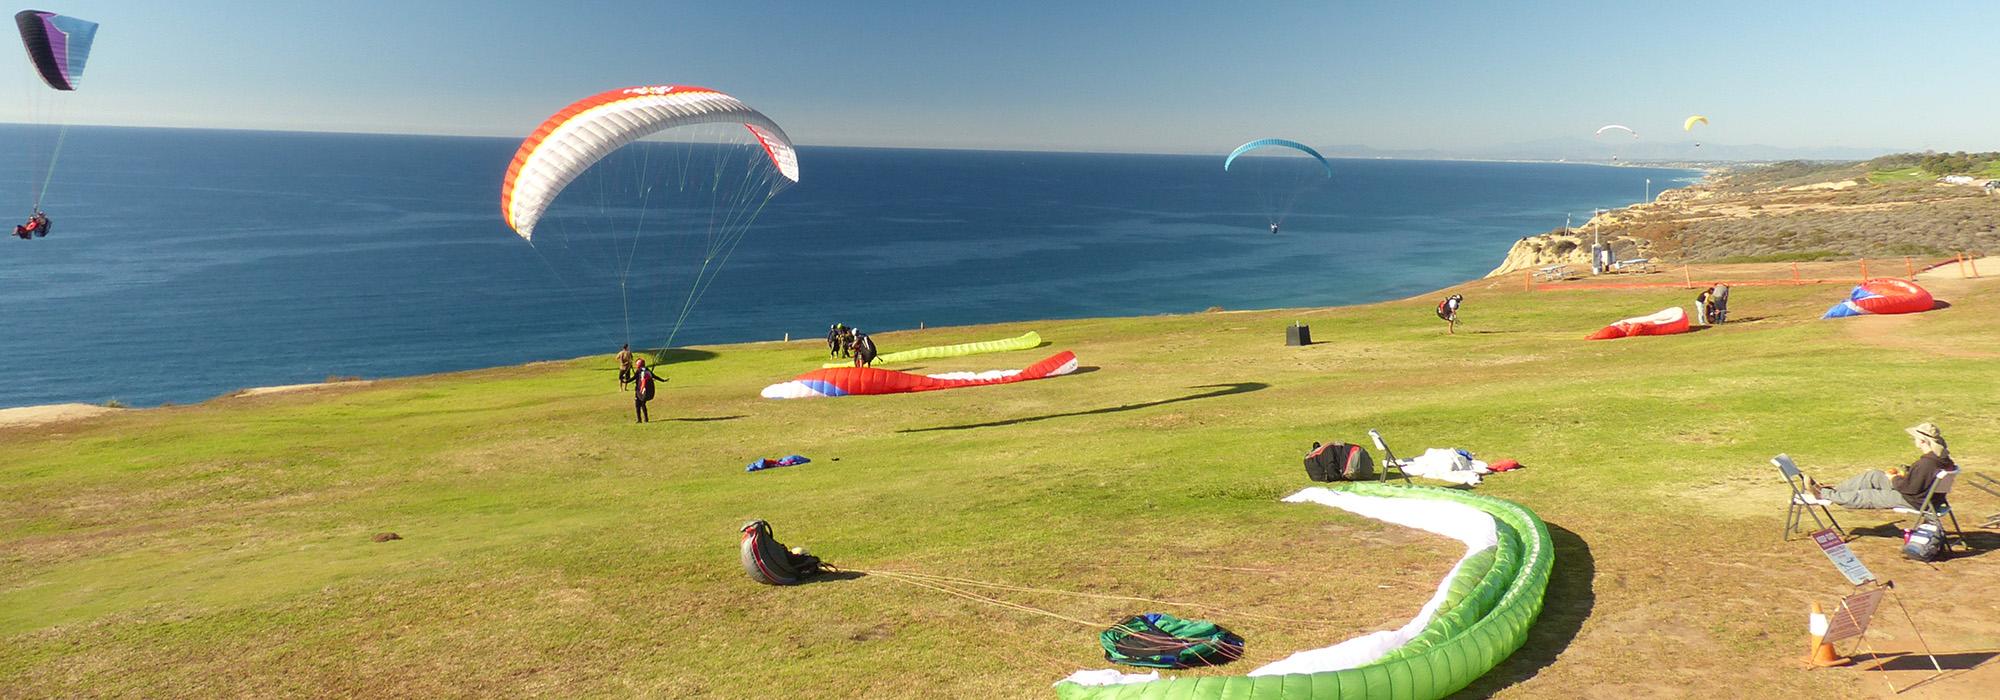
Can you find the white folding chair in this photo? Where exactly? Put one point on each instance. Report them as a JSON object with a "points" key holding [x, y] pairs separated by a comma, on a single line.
{"points": [[1803, 502], [1389, 460]]}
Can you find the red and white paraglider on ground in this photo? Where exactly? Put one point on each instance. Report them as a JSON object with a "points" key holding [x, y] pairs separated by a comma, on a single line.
{"points": [[855, 381], [1666, 322], [1883, 296]]}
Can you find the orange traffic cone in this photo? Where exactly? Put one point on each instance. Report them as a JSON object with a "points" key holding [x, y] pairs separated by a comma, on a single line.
{"points": [[1822, 653]]}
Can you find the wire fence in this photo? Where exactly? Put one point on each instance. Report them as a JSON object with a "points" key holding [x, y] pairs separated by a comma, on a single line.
{"points": [[1689, 276]]}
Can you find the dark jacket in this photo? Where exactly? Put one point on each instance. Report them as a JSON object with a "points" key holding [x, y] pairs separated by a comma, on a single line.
{"points": [[642, 384], [1916, 481]]}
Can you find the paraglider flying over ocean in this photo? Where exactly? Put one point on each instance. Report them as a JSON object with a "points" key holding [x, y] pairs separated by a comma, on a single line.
{"points": [[603, 204], [1614, 128], [1277, 182], [58, 47], [1688, 126]]}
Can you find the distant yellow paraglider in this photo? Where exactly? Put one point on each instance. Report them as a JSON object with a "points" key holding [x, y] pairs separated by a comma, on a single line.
{"points": [[1688, 126]]}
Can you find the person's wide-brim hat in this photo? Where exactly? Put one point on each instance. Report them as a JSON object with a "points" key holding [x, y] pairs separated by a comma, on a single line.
{"points": [[1927, 431]]}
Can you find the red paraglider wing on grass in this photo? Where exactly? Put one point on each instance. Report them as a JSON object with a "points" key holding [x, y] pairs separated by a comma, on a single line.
{"points": [[1666, 322], [849, 381]]}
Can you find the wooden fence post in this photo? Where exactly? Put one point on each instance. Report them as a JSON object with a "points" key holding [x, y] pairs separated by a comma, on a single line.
{"points": [[1686, 276], [1528, 277], [1795, 273], [1864, 269], [1909, 267]]}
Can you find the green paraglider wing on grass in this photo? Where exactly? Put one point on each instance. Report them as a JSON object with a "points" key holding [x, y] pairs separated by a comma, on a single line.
{"points": [[1492, 601], [1025, 341]]}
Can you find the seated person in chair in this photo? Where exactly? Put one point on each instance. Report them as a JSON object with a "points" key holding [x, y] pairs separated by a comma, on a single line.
{"points": [[1874, 489]]}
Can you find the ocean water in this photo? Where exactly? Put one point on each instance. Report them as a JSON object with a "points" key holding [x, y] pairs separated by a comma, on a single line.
{"points": [[186, 264]]}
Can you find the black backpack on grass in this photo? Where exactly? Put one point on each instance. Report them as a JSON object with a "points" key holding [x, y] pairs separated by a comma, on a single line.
{"points": [[1339, 461]]}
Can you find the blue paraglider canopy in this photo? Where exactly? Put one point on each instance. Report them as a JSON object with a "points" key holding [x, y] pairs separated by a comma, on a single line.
{"points": [[1277, 143]]}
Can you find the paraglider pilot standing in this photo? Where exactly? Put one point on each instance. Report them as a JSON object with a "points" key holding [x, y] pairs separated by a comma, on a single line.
{"points": [[642, 389]]}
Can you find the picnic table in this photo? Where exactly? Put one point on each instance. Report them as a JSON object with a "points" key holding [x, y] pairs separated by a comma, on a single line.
{"points": [[1552, 273]]}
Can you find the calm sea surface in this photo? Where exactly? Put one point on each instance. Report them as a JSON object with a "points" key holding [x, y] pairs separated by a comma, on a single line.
{"points": [[186, 264]]}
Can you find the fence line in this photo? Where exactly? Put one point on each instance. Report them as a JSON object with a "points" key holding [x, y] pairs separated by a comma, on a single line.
{"points": [[1968, 268]]}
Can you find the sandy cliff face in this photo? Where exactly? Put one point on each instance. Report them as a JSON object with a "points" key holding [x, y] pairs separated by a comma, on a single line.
{"points": [[1561, 248]]}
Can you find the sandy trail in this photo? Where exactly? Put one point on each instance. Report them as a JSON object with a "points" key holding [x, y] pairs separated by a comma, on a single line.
{"points": [[288, 388], [51, 413]]}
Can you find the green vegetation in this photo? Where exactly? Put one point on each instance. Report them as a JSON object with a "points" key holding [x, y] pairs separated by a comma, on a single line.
{"points": [[1905, 167], [1889, 169], [1910, 174], [551, 547], [1790, 173]]}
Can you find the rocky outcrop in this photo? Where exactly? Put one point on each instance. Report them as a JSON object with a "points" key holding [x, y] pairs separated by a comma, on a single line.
{"points": [[1563, 248]]}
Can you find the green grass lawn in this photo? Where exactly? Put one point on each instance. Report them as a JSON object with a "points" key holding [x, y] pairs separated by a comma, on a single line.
{"points": [[1910, 174], [552, 547], [1991, 169]]}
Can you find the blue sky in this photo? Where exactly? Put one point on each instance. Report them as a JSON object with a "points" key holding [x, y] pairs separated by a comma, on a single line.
{"points": [[1133, 76]]}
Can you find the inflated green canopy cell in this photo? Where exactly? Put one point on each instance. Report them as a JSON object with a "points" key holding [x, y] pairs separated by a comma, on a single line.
{"points": [[1480, 614]]}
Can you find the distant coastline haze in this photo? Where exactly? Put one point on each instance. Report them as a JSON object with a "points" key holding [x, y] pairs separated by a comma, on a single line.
{"points": [[1449, 80]]}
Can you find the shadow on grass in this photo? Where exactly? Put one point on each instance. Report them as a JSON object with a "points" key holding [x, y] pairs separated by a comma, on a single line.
{"points": [[1975, 543], [1939, 304], [705, 419], [1911, 661], [676, 356], [832, 576], [1218, 390], [1565, 606]]}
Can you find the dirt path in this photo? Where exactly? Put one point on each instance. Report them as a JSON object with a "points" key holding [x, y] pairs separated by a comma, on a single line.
{"points": [[53, 413]]}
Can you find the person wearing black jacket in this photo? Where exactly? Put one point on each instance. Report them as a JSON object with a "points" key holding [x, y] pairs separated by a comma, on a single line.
{"points": [[642, 389], [864, 349], [1875, 489]]}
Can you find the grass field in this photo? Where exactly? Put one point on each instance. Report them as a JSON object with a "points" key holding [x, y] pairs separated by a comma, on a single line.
{"points": [[1911, 174], [551, 547]]}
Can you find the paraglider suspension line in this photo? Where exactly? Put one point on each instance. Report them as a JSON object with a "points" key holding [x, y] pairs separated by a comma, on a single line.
{"points": [[62, 134]]}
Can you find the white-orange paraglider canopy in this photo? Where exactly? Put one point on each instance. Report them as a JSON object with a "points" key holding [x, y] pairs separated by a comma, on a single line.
{"points": [[643, 193]]}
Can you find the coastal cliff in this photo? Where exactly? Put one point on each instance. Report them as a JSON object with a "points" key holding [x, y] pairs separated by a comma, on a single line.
{"points": [[1568, 247], [1786, 212]]}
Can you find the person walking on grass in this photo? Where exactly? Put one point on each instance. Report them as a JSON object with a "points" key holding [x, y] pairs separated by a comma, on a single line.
{"points": [[1448, 312], [642, 390], [624, 365], [1877, 490]]}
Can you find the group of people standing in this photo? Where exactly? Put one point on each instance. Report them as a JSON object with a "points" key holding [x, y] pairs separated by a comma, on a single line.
{"points": [[634, 375], [1711, 306], [843, 340]]}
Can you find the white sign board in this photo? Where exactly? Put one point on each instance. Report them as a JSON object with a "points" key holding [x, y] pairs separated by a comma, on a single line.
{"points": [[1843, 558]]}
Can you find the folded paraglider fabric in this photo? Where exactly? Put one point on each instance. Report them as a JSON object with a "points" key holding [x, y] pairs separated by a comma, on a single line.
{"points": [[1883, 296], [1160, 640], [1025, 341], [764, 463], [1455, 466], [850, 381], [1666, 322]]}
